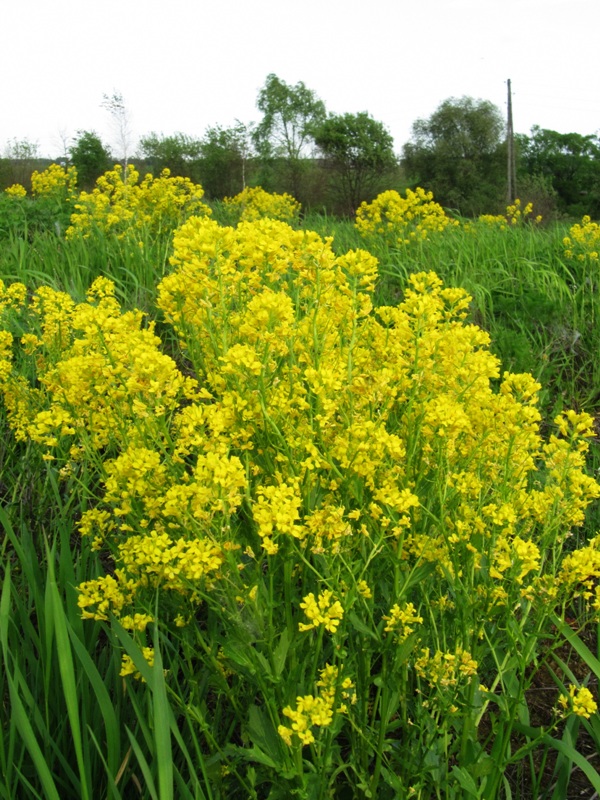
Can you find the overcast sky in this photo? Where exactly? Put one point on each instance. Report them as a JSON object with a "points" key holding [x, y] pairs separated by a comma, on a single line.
{"points": [[184, 65]]}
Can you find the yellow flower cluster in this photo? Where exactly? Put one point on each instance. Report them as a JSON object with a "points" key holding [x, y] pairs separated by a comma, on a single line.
{"points": [[255, 203], [321, 611], [580, 701], [302, 369], [580, 573], [514, 215], [402, 220], [583, 243], [402, 620], [56, 182], [276, 511], [519, 553], [444, 669], [129, 668], [315, 427], [311, 711], [100, 368], [11, 297], [109, 400], [120, 205], [16, 190]]}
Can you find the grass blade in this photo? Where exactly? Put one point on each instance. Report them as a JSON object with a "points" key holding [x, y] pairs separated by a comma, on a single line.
{"points": [[18, 714], [67, 673], [104, 701], [162, 726], [146, 772]]}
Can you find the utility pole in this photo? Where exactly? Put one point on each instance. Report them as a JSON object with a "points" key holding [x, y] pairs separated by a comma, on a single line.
{"points": [[510, 147]]}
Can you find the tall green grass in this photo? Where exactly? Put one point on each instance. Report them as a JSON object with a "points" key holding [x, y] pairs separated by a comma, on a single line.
{"points": [[71, 265], [70, 726]]}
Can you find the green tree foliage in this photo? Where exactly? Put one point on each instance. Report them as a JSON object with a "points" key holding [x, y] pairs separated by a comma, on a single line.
{"points": [[90, 157], [359, 152], [22, 158], [179, 153], [225, 154], [4, 173], [570, 161], [285, 133], [458, 153]]}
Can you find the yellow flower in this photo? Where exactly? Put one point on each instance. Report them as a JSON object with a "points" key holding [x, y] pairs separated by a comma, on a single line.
{"points": [[121, 205], [16, 190], [402, 220], [254, 203], [321, 611], [402, 620], [316, 711], [580, 701], [583, 242], [129, 668], [57, 182]]}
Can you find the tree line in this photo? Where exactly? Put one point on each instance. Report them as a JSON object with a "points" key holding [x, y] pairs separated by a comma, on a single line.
{"points": [[335, 161]]}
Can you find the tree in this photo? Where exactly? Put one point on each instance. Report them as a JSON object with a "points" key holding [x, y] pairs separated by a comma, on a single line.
{"points": [[459, 154], [179, 153], [90, 157], [21, 155], [569, 161], [290, 114], [225, 155], [116, 107], [62, 141], [360, 152]]}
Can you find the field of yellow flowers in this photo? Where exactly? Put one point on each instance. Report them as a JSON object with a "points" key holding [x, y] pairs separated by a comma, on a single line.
{"points": [[292, 528]]}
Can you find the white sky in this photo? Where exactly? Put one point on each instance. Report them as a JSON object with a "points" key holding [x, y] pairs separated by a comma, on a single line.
{"points": [[183, 65]]}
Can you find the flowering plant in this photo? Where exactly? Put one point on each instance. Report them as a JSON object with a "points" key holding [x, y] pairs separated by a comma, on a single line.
{"points": [[345, 518], [402, 220], [583, 242], [255, 203], [122, 206]]}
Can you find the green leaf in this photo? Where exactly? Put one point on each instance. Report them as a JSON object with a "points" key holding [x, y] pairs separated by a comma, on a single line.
{"points": [[563, 767], [577, 758], [264, 736], [17, 711], [484, 765], [360, 626], [256, 754], [280, 654], [104, 702], [466, 781], [162, 727], [146, 772], [565, 748], [67, 674], [394, 781], [578, 645], [237, 654]]}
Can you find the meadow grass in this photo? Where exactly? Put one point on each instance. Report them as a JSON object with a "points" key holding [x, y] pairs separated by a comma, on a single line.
{"points": [[201, 719]]}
